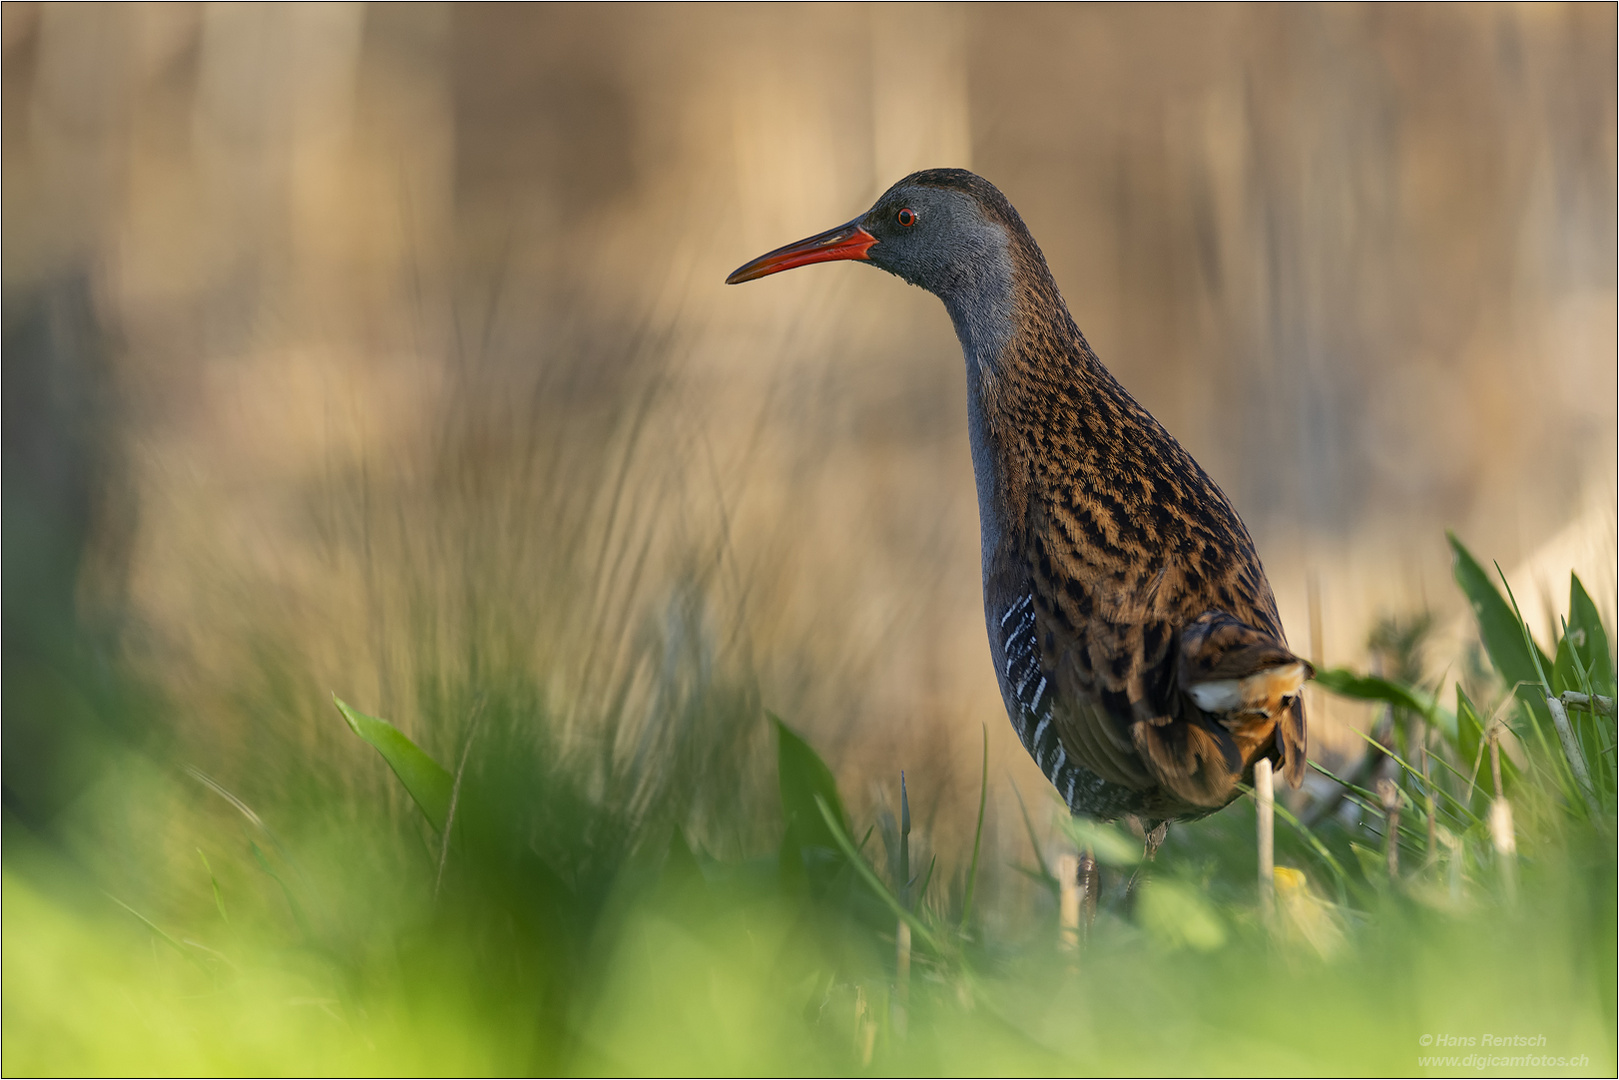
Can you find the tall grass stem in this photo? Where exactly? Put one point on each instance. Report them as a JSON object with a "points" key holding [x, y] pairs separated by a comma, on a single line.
{"points": [[1389, 793], [1571, 750], [1265, 795], [978, 835], [1068, 904]]}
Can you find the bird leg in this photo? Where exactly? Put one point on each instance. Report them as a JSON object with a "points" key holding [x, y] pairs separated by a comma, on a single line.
{"points": [[1154, 838], [1089, 879], [1151, 839]]}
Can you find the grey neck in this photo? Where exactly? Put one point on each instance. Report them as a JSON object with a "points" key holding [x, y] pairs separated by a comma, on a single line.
{"points": [[981, 308], [980, 301]]}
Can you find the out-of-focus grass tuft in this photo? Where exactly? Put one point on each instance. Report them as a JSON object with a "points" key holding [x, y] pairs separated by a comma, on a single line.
{"points": [[536, 908]]}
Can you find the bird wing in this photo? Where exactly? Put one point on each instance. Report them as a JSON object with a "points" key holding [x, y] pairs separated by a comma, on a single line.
{"points": [[1143, 705], [1147, 691], [1116, 709]]}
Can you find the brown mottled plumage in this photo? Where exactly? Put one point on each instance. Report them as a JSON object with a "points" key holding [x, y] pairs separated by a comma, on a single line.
{"points": [[1134, 635]]}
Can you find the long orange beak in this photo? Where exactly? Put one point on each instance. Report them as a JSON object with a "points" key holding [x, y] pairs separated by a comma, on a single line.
{"points": [[844, 242]]}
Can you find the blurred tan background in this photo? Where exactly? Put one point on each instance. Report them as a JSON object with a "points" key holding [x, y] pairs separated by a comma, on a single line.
{"points": [[390, 340]]}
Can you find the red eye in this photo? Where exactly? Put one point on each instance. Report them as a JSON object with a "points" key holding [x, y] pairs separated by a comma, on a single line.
{"points": [[906, 217]]}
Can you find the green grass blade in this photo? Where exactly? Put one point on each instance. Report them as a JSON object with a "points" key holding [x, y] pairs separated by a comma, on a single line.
{"points": [[927, 879], [160, 932], [1045, 875], [1536, 657], [1346, 683], [978, 835], [286, 890], [1469, 739], [1039, 877], [428, 782], [219, 899], [841, 840], [1566, 668], [1410, 770]]}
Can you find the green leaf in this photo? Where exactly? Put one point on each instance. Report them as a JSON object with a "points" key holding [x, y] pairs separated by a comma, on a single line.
{"points": [[1346, 683], [803, 776], [1498, 627], [1564, 676], [1592, 640], [428, 782], [1106, 842]]}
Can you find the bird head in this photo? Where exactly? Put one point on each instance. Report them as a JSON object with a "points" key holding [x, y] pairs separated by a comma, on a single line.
{"points": [[946, 230]]}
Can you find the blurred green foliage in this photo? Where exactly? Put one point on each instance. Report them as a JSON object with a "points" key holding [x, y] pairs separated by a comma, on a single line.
{"points": [[519, 919]]}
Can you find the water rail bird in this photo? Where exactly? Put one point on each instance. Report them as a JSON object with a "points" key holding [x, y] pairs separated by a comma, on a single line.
{"points": [[1137, 644]]}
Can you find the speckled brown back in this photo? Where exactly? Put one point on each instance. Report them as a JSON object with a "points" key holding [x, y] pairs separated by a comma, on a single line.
{"points": [[1123, 541]]}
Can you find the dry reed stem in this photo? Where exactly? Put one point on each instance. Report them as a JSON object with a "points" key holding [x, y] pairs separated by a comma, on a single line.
{"points": [[902, 978], [1433, 809], [1502, 833], [1590, 703], [865, 1028], [1265, 795], [1068, 907], [1571, 750], [1573, 699], [1389, 792]]}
